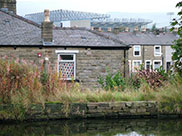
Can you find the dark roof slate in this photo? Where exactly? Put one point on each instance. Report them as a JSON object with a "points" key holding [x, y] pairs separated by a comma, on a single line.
{"points": [[16, 31], [147, 38]]}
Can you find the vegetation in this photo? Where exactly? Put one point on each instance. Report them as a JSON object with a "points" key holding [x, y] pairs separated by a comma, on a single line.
{"points": [[177, 55], [22, 84]]}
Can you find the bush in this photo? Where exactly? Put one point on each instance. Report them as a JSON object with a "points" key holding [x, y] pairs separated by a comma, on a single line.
{"points": [[112, 82], [154, 79]]}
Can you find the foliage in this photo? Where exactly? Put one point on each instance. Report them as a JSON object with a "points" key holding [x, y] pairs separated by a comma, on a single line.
{"points": [[177, 55], [19, 80], [154, 79], [111, 82]]}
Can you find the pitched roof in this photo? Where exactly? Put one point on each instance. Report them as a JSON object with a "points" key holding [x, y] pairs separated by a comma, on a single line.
{"points": [[18, 31], [147, 38], [15, 30]]}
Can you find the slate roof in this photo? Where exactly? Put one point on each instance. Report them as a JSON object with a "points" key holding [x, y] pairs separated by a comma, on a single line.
{"points": [[147, 38], [18, 31]]}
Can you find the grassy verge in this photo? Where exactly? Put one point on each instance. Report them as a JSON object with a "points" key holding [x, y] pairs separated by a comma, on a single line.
{"points": [[22, 85]]}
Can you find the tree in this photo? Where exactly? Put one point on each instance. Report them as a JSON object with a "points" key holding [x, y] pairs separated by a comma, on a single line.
{"points": [[177, 55]]}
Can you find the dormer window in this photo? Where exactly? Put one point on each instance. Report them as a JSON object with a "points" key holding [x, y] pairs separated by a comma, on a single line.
{"points": [[137, 50], [157, 50]]}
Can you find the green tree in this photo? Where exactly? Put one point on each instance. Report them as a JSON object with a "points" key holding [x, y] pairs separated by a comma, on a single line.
{"points": [[177, 55]]}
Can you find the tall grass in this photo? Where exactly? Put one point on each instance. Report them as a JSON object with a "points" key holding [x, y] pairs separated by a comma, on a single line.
{"points": [[21, 83]]}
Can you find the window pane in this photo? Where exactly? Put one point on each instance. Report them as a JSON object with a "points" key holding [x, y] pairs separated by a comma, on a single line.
{"points": [[137, 53], [148, 65], [157, 49], [157, 65], [66, 69], [136, 65], [137, 48], [66, 57]]}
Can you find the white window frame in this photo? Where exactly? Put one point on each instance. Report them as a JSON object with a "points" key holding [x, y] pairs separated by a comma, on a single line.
{"points": [[135, 50], [67, 52], [133, 68], [130, 66], [154, 64], [156, 53], [146, 64]]}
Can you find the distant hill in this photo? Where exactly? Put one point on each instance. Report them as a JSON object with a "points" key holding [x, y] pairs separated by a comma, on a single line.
{"points": [[161, 19]]}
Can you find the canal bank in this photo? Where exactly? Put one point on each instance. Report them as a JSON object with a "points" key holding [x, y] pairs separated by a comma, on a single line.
{"points": [[54, 111]]}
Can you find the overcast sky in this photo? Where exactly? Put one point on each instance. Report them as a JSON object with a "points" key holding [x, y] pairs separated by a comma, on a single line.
{"points": [[98, 6]]}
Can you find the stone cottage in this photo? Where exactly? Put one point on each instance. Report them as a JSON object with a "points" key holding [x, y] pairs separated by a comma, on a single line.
{"points": [[147, 48], [78, 53]]}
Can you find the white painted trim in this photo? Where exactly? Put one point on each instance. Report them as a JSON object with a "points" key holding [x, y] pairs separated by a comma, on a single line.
{"points": [[130, 66], [74, 60], [133, 64], [160, 50], [156, 61], [146, 63], [139, 50], [67, 51]]}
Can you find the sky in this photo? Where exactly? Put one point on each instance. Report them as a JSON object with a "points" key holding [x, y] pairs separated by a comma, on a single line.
{"points": [[130, 7], [98, 6]]}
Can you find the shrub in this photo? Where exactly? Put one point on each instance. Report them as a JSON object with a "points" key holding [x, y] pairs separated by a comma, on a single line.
{"points": [[155, 79], [112, 82]]}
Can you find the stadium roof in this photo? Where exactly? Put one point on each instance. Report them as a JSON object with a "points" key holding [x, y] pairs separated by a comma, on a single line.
{"points": [[117, 22], [66, 15]]}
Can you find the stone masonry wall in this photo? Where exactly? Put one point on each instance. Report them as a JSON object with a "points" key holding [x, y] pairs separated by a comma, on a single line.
{"points": [[137, 109], [90, 64]]}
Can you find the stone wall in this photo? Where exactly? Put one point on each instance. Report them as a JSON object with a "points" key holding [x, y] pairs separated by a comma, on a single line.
{"points": [[90, 64], [140, 109]]}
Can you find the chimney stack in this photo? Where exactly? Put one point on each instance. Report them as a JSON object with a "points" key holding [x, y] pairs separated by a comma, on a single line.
{"points": [[8, 4], [47, 29]]}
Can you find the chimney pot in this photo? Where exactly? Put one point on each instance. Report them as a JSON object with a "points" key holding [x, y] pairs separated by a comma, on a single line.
{"points": [[92, 28], [175, 30], [109, 29], [143, 29], [126, 29], [136, 29], [46, 15]]}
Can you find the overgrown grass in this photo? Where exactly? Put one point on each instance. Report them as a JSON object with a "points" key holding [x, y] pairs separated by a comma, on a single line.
{"points": [[21, 84]]}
